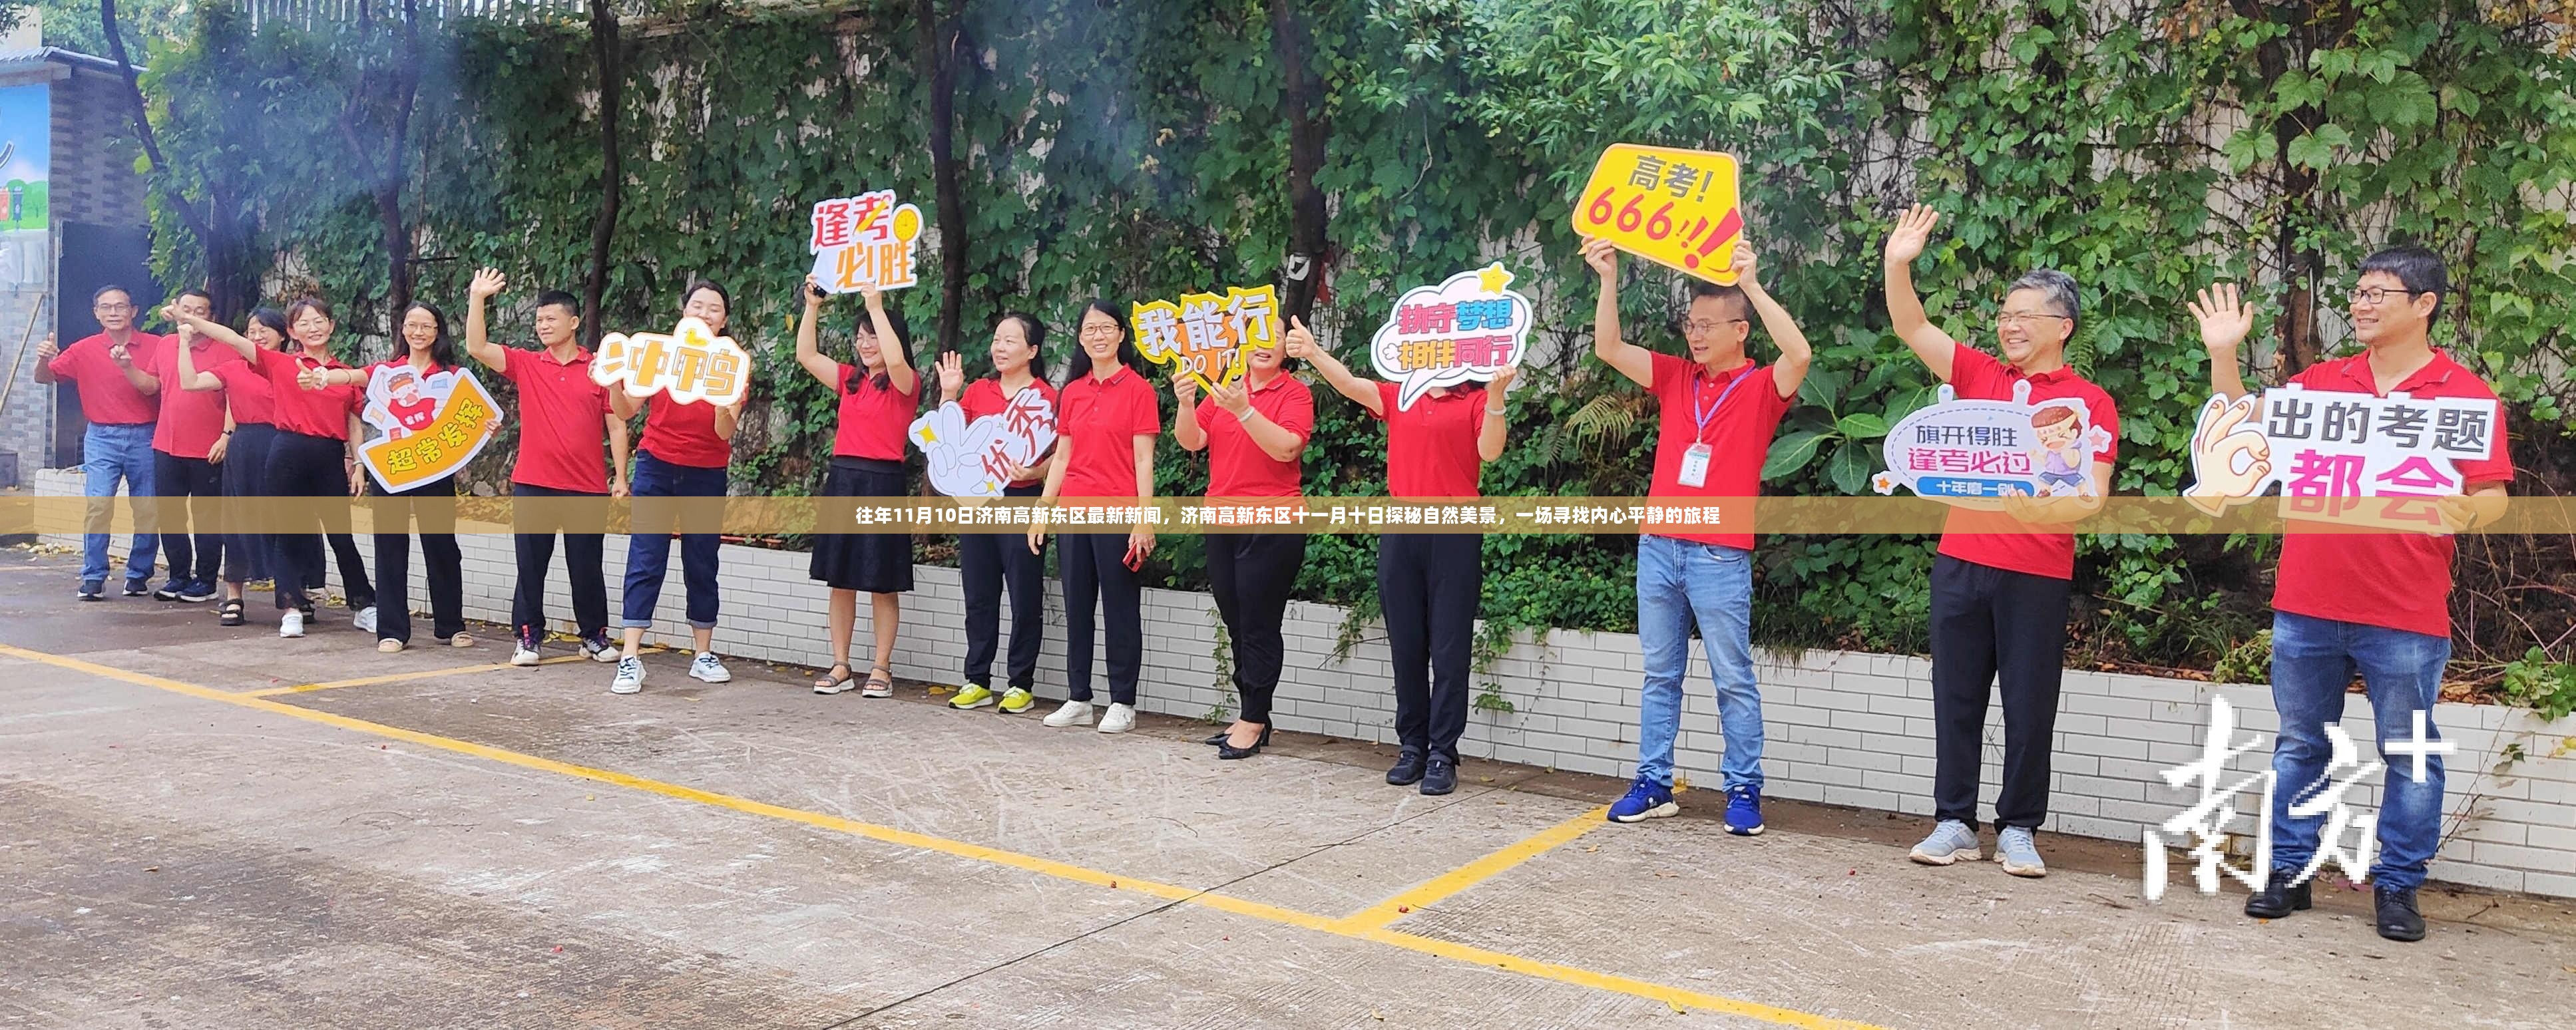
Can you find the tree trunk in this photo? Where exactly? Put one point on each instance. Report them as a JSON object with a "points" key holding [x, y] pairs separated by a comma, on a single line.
{"points": [[604, 48], [939, 55], [217, 227], [1307, 129]]}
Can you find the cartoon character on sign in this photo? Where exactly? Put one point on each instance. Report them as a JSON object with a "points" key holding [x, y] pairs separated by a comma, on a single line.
{"points": [[1974, 453], [1205, 336], [691, 363], [405, 404], [430, 425], [1463, 330], [2333, 454], [1676, 208], [865, 241], [975, 459]]}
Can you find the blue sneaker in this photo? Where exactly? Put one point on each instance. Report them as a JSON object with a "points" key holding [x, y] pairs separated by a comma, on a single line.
{"points": [[1646, 799], [1744, 811]]}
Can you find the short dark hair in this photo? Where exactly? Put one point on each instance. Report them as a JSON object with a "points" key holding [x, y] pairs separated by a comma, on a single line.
{"points": [[2421, 270], [274, 319], [308, 302], [1733, 295], [2060, 290], [709, 284], [102, 291], [1036, 331], [566, 301], [197, 293]]}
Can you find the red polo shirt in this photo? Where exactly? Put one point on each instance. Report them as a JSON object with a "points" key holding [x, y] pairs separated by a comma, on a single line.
{"points": [[1103, 418], [106, 397], [1431, 447], [191, 421], [1986, 537], [2391, 580], [1237, 467], [324, 412], [873, 418], [984, 397], [246, 391], [563, 430], [684, 434], [1734, 413]]}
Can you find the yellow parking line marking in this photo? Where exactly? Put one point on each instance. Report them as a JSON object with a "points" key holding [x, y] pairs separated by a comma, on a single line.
{"points": [[1674, 996], [398, 677], [1448, 884]]}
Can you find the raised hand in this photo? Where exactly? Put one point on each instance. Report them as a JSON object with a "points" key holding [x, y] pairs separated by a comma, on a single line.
{"points": [[952, 376], [116, 352], [45, 351], [1912, 233], [487, 282], [1186, 391], [1301, 341], [1503, 379], [814, 292], [2224, 316], [313, 378], [1604, 258], [1745, 264]]}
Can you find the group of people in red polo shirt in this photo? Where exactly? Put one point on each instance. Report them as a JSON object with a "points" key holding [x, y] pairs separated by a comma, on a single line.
{"points": [[2375, 605]]}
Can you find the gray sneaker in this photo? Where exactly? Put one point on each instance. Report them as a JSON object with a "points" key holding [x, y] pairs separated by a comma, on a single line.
{"points": [[1949, 842], [2019, 854], [630, 676]]}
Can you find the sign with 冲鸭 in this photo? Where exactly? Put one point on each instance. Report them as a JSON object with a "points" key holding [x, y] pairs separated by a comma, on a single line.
{"points": [[691, 363], [2349, 458], [1973, 453], [1205, 335], [866, 241], [977, 458], [1676, 208], [1463, 330], [431, 425]]}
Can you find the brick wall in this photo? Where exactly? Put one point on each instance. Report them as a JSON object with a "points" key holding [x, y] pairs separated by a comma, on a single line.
{"points": [[1841, 727], [93, 177]]}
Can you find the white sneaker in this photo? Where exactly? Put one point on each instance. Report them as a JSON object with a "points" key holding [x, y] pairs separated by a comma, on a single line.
{"points": [[707, 669], [630, 676], [291, 625], [1119, 719], [366, 619], [525, 654], [1074, 713]]}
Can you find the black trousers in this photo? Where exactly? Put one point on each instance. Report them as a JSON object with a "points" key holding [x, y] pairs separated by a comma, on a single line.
{"points": [[434, 505], [1250, 574], [1992, 626], [353, 569], [1094, 566], [986, 564], [300, 465], [535, 544], [1428, 587], [178, 482], [245, 474]]}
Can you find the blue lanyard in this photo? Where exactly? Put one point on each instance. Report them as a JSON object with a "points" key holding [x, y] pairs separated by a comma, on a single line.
{"points": [[1703, 415]]}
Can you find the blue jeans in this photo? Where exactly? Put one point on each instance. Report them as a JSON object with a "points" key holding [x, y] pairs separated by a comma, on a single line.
{"points": [[648, 548], [2312, 661], [1680, 583], [111, 453]]}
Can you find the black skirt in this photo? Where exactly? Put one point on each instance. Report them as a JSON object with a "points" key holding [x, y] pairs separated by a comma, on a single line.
{"points": [[876, 563]]}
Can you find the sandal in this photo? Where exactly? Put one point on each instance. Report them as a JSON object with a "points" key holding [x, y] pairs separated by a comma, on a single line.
{"points": [[232, 612], [880, 683], [835, 680]]}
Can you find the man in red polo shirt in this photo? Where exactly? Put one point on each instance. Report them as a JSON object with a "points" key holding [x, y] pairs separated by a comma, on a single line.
{"points": [[1719, 412], [563, 419], [2377, 603], [183, 437], [118, 443], [2000, 581]]}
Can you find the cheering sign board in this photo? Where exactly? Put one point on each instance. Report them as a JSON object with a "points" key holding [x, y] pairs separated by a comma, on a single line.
{"points": [[1463, 330], [866, 241], [433, 425], [1972, 453], [1204, 336], [2344, 457], [1676, 208], [691, 363], [976, 458]]}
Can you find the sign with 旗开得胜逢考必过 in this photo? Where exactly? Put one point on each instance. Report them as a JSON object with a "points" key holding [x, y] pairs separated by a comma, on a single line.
{"points": [[1205, 336], [2349, 458], [1975, 453], [1676, 208], [865, 242], [1463, 330], [690, 363]]}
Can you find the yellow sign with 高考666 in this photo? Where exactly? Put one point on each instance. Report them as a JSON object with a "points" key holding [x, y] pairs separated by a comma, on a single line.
{"points": [[1673, 207]]}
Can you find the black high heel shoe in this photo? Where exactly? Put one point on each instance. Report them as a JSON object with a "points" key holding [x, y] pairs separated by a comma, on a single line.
{"points": [[1219, 737], [1226, 750]]}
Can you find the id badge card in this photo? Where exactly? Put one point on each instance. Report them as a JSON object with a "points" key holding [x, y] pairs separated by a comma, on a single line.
{"points": [[1694, 471]]}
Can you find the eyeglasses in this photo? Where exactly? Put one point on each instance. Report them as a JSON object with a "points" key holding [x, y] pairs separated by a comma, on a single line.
{"points": [[1704, 326], [2018, 319], [112, 309], [2374, 296]]}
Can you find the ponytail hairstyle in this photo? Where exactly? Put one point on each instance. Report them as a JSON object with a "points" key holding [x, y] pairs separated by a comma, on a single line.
{"points": [[1036, 331], [902, 343], [276, 322]]}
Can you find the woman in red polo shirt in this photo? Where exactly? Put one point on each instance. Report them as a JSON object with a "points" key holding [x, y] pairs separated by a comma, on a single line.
{"points": [[242, 452], [312, 455], [1104, 453], [878, 396], [988, 562], [1254, 432], [1428, 584], [685, 452]]}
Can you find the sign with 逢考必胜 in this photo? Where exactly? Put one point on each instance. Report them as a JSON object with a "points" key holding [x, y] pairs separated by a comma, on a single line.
{"points": [[2345, 457], [1974, 453], [691, 363], [431, 425], [1676, 208], [1463, 330], [980, 457], [1205, 335], [865, 242]]}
